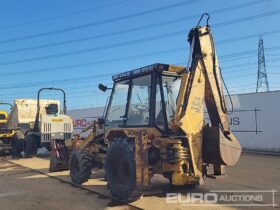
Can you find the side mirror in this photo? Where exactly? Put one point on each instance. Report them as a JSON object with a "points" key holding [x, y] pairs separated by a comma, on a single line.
{"points": [[102, 87]]}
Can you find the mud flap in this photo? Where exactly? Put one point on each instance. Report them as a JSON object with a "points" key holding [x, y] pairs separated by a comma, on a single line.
{"points": [[59, 156]]}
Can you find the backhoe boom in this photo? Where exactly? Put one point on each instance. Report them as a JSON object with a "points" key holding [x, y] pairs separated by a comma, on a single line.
{"points": [[202, 86]]}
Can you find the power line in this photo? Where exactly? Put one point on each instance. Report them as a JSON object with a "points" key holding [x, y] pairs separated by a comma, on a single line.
{"points": [[87, 50], [230, 59], [239, 76], [244, 85], [96, 48], [95, 62], [128, 30], [242, 53], [91, 78], [102, 22], [137, 41], [90, 92], [69, 89], [272, 54], [250, 63], [126, 58], [266, 33], [239, 70], [55, 95], [76, 79], [63, 15], [240, 20], [179, 49]]}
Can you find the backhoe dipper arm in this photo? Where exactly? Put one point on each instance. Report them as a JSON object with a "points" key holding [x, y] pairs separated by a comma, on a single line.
{"points": [[204, 52], [202, 85]]}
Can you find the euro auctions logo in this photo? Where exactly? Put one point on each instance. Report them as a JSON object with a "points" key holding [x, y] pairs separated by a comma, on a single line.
{"points": [[221, 198]]}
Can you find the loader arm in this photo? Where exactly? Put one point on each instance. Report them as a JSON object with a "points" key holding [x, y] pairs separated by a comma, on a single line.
{"points": [[202, 85]]}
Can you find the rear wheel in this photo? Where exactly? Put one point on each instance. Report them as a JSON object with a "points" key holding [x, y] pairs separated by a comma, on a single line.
{"points": [[120, 169], [80, 166], [17, 143], [30, 144]]}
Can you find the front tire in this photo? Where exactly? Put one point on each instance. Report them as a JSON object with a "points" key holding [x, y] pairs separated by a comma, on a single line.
{"points": [[80, 166], [120, 169]]}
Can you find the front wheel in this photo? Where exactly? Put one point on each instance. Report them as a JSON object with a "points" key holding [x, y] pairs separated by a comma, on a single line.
{"points": [[80, 166], [120, 169]]}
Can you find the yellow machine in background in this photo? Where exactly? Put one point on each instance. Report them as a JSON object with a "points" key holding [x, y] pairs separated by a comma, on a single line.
{"points": [[5, 135], [154, 124]]}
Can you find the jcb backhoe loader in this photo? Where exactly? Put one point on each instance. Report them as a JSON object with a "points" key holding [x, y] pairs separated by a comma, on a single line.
{"points": [[154, 124]]}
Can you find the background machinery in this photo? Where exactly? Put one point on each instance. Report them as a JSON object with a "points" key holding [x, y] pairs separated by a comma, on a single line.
{"points": [[154, 124], [41, 123], [5, 135]]}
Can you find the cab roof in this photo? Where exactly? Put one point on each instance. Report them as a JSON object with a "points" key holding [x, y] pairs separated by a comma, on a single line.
{"points": [[148, 69]]}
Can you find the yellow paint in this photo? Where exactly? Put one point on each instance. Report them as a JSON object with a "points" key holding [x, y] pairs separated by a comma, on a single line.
{"points": [[57, 120], [4, 135]]}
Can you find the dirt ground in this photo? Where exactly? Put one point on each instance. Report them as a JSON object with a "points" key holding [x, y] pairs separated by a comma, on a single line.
{"points": [[24, 189], [26, 184]]}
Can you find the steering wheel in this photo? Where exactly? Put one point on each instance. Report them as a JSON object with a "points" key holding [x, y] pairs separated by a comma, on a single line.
{"points": [[142, 108]]}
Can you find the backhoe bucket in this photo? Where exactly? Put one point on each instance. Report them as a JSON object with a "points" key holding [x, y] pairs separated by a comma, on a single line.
{"points": [[219, 150], [59, 156]]}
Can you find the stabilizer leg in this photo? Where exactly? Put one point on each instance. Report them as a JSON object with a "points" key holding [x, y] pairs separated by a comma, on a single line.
{"points": [[59, 156]]}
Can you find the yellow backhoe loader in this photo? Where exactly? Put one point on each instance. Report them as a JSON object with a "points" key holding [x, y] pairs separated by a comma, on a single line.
{"points": [[154, 124]]}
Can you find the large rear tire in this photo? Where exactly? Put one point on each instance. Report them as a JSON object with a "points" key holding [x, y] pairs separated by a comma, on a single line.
{"points": [[80, 166], [17, 143], [120, 169]]}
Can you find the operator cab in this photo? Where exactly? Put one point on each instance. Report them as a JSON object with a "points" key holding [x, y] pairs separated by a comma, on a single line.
{"points": [[139, 97], [52, 109], [3, 115]]}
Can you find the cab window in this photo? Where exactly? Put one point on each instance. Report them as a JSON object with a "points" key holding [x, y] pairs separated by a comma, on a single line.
{"points": [[116, 111], [139, 107], [171, 86], [2, 117]]}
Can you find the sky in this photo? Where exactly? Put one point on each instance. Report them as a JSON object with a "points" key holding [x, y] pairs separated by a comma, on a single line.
{"points": [[75, 45]]}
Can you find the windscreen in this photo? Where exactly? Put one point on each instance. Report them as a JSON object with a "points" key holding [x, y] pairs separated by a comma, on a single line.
{"points": [[171, 87], [116, 111], [2, 117]]}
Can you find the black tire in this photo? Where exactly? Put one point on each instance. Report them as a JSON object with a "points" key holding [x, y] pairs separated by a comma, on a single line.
{"points": [[80, 166], [53, 164], [17, 143], [120, 169], [30, 146]]}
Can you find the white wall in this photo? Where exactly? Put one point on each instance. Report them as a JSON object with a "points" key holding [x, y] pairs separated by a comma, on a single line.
{"points": [[254, 121], [84, 117]]}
